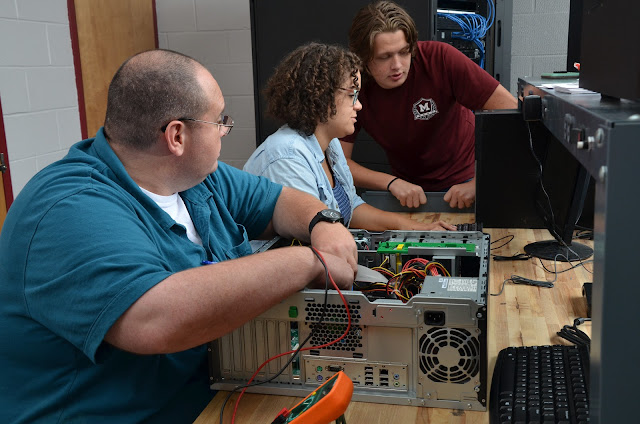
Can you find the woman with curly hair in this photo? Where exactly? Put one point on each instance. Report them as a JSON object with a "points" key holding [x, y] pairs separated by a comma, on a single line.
{"points": [[314, 91]]}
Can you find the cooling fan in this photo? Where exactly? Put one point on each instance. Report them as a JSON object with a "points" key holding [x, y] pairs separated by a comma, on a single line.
{"points": [[449, 355]]}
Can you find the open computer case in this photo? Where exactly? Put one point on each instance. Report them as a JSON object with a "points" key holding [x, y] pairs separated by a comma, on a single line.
{"points": [[429, 350]]}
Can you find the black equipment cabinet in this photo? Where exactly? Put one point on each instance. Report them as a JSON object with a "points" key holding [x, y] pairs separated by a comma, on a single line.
{"points": [[604, 136]]}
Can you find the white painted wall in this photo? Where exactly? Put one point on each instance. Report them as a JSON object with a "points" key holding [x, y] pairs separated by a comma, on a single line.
{"points": [[37, 79]]}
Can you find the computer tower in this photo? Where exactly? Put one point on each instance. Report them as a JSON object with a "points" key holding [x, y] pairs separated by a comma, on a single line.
{"points": [[428, 351]]}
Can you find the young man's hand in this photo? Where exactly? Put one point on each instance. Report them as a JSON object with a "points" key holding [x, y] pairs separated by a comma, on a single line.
{"points": [[409, 195], [461, 195]]}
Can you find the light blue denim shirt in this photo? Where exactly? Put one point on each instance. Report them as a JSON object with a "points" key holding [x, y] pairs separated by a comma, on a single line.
{"points": [[294, 160]]}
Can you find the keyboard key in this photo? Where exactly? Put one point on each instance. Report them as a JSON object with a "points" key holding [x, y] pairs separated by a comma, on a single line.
{"points": [[520, 413]]}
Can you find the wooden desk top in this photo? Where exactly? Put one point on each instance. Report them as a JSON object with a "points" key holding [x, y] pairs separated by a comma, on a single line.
{"points": [[521, 316]]}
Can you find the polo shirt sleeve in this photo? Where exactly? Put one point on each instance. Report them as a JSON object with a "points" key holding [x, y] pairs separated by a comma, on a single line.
{"points": [[250, 199], [109, 261]]}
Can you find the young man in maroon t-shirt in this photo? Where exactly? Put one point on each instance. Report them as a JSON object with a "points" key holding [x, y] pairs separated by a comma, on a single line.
{"points": [[417, 99]]}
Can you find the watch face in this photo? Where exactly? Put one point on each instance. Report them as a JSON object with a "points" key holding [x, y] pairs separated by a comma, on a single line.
{"points": [[329, 213]]}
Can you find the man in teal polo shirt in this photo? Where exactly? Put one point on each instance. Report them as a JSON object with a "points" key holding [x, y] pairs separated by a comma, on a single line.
{"points": [[120, 262]]}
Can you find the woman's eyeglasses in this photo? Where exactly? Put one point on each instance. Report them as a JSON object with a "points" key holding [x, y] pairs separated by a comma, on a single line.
{"points": [[353, 93]]}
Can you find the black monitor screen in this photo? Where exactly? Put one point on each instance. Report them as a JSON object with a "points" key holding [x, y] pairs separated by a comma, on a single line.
{"points": [[609, 62], [564, 201], [515, 160]]}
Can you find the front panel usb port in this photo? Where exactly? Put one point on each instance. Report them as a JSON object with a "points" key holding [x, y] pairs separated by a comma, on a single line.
{"points": [[384, 381]]}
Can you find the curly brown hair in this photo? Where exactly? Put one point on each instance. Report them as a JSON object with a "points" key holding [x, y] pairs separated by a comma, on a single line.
{"points": [[376, 18], [302, 89]]}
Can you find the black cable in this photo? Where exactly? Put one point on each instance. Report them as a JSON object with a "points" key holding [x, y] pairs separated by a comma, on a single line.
{"points": [[575, 335], [553, 223], [300, 345], [583, 234], [518, 279], [510, 236], [552, 227], [569, 269], [516, 257], [582, 228]]}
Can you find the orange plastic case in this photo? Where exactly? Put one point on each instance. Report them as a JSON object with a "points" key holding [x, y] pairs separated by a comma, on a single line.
{"points": [[326, 404]]}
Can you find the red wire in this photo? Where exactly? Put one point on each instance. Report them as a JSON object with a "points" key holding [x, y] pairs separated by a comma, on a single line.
{"points": [[235, 409]]}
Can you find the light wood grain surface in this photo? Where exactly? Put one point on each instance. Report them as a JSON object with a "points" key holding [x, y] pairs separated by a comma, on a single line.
{"points": [[521, 316]]}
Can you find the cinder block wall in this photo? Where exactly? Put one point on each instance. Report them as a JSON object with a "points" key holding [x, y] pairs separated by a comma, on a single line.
{"points": [[218, 34], [37, 85], [37, 79], [539, 38]]}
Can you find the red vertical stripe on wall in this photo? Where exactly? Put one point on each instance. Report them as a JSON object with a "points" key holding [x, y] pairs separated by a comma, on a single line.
{"points": [[75, 47], [6, 176]]}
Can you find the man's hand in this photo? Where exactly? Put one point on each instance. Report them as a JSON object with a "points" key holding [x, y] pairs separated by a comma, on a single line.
{"points": [[461, 195], [340, 270], [409, 195], [334, 238]]}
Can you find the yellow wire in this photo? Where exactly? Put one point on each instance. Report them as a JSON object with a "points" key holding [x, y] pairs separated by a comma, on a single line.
{"points": [[439, 266]]}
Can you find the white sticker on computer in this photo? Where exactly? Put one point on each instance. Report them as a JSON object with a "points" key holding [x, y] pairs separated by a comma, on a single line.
{"points": [[459, 284]]}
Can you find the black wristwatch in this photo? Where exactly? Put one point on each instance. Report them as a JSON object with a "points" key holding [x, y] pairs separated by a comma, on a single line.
{"points": [[326, 215]]}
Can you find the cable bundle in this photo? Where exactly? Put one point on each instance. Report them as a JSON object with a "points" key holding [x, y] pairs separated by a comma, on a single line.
{"points": [[473, 27], [408, 282], [575, 335]]}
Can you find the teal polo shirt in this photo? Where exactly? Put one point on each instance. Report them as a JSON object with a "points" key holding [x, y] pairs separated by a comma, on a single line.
{"points": [[80, 244]]}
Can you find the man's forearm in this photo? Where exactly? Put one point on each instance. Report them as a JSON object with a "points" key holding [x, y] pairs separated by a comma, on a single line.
{"points": [[198, 305], [293, 213]]}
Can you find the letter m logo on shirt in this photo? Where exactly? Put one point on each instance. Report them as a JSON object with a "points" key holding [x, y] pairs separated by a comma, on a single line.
{"points": [[424, 109]]}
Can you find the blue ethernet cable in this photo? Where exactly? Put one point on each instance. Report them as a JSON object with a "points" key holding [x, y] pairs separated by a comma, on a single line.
{"points": [[473, 27]]}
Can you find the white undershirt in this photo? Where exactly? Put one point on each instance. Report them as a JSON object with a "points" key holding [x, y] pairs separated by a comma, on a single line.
{"points": [[175, 207]]}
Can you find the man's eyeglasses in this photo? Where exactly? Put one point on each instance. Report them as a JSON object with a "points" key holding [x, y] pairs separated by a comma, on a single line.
{"points": [[354, 93], [225, 123]]}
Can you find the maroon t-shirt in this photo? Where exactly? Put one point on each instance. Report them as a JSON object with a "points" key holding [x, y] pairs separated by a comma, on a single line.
{"points": [[426, 126]]}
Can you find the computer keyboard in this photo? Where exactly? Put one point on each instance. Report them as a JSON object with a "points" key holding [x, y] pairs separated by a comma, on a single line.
{"points": [[474, 226], [540, 384]]}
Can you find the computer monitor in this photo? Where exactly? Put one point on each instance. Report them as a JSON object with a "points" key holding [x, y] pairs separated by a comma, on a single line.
{"points": [[563, 190], [574, 39], [609, 63], [526, 178]]}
